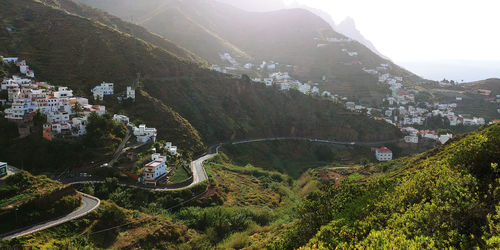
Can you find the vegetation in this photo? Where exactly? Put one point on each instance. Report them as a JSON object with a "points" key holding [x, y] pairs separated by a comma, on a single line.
{"points": [[28, 199], [294, 157], [113, 227], [187, 103], [443, 198], [224, 28], [38, 155]]}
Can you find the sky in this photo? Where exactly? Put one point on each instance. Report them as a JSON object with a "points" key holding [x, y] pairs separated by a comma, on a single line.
{"points": [[423, 30]]}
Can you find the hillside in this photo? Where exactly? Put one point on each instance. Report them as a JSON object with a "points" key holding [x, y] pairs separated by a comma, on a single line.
{"points": [[37, 198], [123, 26], [286, 36], [492, 84], [447, 197], [187, 103]]}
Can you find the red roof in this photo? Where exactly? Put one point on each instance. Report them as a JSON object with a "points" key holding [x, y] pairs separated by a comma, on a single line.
{"points": [[384, 150]]}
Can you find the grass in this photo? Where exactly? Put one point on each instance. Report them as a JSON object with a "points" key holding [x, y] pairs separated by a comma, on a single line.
{"points": [[180, 174], [293, 158]]}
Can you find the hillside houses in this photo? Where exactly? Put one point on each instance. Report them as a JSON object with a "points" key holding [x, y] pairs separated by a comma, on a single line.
{"points": [[101, 90], [154, 170], [25, 69], [383, 154], [144, 134], [66, 114]]}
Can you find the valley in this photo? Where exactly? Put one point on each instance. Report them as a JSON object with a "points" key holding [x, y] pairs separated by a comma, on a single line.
{"points": [[204, 124]]}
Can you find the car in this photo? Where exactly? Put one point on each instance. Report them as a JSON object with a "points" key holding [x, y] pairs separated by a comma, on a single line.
{"points": [[104, 165]]}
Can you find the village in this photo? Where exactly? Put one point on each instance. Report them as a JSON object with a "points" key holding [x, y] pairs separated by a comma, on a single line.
{"points": [[67, 116], [399, 108]]}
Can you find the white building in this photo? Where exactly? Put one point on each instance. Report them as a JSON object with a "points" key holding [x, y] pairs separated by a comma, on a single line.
{"points": [[145, 134], [130, 93], [445, 138], [383, 154], [10, 59], [411, 139], [121, 118], [172, 150], [350, 105], [23, 67], [63, 92], [155, 169], [268, 81], [315, 90], [30, 73], [101, 90]]}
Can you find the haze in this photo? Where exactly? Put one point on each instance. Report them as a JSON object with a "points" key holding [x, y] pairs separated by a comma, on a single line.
{"points": [[415, 32]]}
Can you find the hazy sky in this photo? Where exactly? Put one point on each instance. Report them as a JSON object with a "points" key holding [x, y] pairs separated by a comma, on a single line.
{"points": [[424, 30]]}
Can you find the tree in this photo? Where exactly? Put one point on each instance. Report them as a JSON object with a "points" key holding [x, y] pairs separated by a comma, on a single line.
{"points": [[77, 108], [39, 119]]}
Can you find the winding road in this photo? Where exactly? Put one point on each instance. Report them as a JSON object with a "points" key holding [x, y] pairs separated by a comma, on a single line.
{"points": [[200, 174], [89, 204]]}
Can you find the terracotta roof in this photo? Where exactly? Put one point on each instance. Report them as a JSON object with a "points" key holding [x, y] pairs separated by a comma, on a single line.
{"points": [[384, 150]]}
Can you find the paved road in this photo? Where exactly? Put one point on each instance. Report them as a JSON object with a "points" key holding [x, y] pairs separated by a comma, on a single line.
{"points": [[200, 174], [89, 204], [120, 150]]}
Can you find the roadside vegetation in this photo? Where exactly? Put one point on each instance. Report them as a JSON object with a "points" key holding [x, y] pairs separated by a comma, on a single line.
{"points": [[27, 199], [444, 198]]}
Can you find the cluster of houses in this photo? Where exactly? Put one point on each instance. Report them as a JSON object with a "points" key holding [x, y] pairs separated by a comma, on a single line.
{"points": [[26, 97], [67, 114], [413, 135], [23, 67]]}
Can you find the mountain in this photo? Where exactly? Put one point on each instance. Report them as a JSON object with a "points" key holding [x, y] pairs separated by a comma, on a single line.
{"points": [[187, 103], [444, 198], [348, 28], [290, 37], [256, 5]]}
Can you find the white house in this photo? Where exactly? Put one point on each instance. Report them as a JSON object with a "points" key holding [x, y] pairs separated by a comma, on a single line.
{"points": [[155, 169], [145, 134], [350, 105], [130, 93], [30, 73], [315, 90], [10, 59], [79, 126], [3, 169], [383, 154], [121, 118], [63, 92], [23, 67], [57, 116], [445, 138], [411, 139], [172, 150], [104, 89], [268, 81]]}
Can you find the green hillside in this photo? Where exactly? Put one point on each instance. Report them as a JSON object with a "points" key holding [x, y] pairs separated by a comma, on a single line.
{"points": [[444, 198], [139, 32], [80, 53], [286, 36], [27, 199]]}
